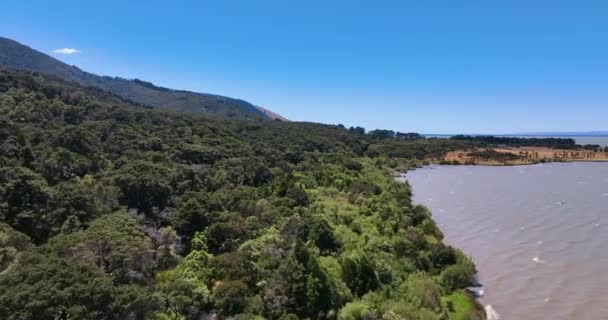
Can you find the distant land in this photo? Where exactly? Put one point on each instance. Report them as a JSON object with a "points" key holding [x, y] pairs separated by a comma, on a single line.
{"points": [[565, 134], [16, 56], [581, 137], [530, 134]]}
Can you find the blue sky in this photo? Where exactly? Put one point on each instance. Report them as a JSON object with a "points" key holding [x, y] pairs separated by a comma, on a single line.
{"points": [[425, 66]]}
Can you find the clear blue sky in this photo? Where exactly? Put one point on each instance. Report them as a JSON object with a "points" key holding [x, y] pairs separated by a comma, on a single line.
{"points": [[425, 66]]}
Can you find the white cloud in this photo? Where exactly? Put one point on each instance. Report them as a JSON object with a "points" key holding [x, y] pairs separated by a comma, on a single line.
{"points": [[66, 51]]}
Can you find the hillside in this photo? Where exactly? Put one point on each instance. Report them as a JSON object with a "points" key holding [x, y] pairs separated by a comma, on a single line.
{"points": [[110, 210], [14, 55], [272, 115]]}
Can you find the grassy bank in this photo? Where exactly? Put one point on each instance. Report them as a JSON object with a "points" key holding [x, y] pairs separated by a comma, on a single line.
{"points": [[462, 306]]}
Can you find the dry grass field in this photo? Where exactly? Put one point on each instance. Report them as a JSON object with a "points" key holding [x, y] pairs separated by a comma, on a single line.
{"points": [[520, 156]]}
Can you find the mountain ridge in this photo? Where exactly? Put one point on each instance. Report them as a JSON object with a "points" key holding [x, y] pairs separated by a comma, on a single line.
{"points": [[17, 56]]}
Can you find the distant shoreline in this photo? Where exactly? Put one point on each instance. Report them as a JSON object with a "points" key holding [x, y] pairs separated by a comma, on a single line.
{"points": [[509, 164], [581, 138], [525, 135], [510, 156]]}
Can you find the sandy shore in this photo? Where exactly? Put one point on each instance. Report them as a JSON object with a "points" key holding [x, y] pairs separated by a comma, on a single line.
{"points": [[521, 156]]}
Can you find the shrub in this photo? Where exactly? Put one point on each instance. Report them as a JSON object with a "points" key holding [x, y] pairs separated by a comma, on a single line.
{"points": [[230, 297], [457, 276], [355, 310], [422, 291]]}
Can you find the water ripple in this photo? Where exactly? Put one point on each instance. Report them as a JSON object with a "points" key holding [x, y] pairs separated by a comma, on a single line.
{"points": [[537, 235]]}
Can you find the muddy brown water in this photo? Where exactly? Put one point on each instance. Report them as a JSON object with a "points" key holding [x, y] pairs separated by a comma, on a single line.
{"points": [[538, 234]]}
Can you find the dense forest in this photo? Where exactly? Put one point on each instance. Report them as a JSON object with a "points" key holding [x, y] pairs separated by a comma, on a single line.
{"points": [[556, 143], [112, 210]]}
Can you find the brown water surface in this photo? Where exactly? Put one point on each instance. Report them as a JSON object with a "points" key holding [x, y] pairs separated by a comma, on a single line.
{"points": [[538, 234]]}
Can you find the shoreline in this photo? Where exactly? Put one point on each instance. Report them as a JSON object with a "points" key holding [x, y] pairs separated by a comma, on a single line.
{"points": [[505, 164], [479, 309], [485, 312], [513, 156]]}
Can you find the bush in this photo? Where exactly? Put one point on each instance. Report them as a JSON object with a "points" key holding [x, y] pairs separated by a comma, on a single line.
{"points": [[322, 235], [457, 276], [403, 248], [422, 291], [230, 297], [356, 310], [298, 196]]}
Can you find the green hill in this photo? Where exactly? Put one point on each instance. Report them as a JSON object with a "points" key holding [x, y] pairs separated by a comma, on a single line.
{"points": [[14, 55]]}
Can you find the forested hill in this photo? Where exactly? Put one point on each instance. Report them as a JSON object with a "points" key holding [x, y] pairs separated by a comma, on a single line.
{"points": [[14, 55], [110, 210]]}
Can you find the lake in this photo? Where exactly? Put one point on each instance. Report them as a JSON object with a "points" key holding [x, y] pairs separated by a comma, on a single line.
{"points": [[538, 234]]}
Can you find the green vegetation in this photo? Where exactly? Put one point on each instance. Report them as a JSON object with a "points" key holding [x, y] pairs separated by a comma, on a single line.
{"points": [[491, 154], [459, 305], [416, 148], [14, 55], [594, 147], [556, 143], [111, 210]]}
